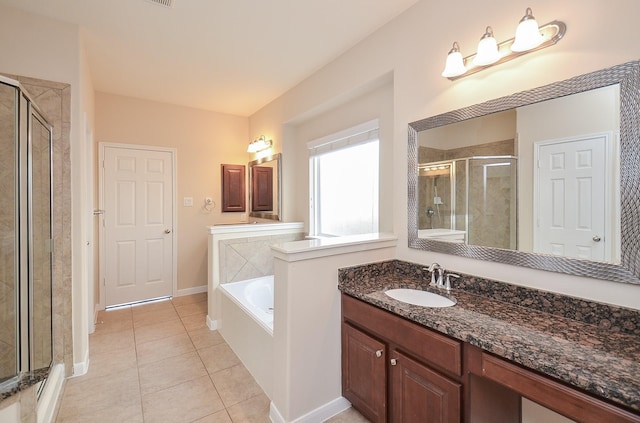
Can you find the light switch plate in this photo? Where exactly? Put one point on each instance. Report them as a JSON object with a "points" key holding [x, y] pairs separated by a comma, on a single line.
{"points": [[187, 201]]}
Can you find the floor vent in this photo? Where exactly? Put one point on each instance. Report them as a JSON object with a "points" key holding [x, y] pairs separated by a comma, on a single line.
{"points": [[164, 3]]}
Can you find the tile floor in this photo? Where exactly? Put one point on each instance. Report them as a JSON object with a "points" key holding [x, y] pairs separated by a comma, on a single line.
{"points": [[160, 363]]}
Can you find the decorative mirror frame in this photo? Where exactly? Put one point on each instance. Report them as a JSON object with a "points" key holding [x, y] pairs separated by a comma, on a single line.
{"points": [[628, 271], [278, 198]]}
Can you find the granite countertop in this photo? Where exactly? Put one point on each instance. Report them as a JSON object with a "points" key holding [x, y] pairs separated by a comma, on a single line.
{"points": [[601, 357]]}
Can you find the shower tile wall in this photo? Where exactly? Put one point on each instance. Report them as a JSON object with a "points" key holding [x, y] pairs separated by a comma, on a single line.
{"points": [[248, 258]]}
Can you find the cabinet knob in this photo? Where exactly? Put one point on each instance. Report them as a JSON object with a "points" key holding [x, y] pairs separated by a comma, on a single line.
{"points": [[394, 361], [379, 353], [597, 238]]}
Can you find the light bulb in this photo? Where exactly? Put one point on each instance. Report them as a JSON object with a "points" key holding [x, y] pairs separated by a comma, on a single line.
{"points": [[487, 49], [527, 34], [454, 65]]}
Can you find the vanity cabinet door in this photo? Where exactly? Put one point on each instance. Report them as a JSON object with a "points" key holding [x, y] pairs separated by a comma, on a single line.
{"points": [[420, 394], [364, 377]]}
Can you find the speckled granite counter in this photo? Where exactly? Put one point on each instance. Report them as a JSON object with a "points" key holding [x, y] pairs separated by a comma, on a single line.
{"points": [[592, 346]]}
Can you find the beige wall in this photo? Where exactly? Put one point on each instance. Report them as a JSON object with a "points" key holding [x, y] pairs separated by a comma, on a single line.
{"points": [[413, 47], [203, 140]]}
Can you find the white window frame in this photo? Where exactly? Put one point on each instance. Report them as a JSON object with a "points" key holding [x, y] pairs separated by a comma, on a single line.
{"points": [[359, 134]]}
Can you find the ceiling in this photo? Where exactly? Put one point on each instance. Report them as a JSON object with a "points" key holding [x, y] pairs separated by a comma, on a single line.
{"points": [[230, 56]]}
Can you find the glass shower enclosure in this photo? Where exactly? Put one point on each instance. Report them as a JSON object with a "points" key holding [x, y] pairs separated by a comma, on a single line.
{"points": [[26, 244], [471, 200]]}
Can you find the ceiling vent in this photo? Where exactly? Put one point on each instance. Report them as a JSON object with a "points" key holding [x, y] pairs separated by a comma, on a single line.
{"points": [[164, 3]]}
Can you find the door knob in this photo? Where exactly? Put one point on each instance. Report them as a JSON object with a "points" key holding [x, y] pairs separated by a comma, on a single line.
{"points": [[167, 231], [596, 238]]}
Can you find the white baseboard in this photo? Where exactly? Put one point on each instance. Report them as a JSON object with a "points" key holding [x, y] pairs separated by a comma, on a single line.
{"points": [[320, 414], [191, 291], [212, 324], [81, 368], [49, 398]]}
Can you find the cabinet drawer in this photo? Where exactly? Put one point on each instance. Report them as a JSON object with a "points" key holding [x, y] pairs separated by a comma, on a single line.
{"points": [[427, 345]]}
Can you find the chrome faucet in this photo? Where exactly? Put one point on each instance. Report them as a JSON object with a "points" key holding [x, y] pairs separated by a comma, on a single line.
{"points": [[437, 274]]}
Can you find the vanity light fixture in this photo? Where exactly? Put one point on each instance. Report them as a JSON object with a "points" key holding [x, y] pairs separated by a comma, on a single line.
{"points": [[259, 144], [529, 37]]}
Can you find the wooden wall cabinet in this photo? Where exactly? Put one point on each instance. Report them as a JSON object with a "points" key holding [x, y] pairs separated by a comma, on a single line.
{"points": [[233, 188]]}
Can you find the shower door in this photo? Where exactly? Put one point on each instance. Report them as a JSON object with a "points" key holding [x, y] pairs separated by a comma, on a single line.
{"points": [[9, 282], [26, 339]]}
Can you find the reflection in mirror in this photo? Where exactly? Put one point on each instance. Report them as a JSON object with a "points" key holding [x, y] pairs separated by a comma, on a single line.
{"points": [[468, 183], [542, 178], [264, 187]]}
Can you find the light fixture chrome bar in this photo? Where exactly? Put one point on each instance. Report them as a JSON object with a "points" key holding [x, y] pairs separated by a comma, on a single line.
{"points": [[552, 32]]}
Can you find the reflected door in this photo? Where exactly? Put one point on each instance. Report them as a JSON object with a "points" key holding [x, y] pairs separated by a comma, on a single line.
{"points": [[570, 210], [138, 219]]}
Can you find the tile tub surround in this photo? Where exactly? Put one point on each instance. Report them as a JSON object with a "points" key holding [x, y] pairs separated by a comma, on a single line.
{"points": [[523, 325]]}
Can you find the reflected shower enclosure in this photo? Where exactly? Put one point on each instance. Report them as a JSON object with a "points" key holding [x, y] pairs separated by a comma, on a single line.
{"points": [[471, 200]]}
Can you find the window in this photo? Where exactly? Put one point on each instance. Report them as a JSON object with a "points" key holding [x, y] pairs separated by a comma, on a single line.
{"points": [[344, 182]]}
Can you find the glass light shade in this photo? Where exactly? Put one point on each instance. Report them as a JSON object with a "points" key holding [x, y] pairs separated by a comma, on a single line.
{"points": [[454, 65], [527, 35], [487, 50]]}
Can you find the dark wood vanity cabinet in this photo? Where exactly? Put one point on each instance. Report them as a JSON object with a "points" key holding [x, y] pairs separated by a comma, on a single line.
{"points": [[399, 372]]}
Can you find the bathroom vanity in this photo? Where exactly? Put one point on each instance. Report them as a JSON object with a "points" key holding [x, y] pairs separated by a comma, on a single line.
{"points": [[473, 361]]}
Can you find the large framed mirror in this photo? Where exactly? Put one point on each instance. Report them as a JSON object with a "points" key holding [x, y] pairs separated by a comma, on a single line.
{"points": [[265, 187], [547, 178]]}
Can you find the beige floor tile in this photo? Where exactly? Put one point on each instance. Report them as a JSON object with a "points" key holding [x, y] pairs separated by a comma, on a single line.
{"points": [[160, 330], [130, 413], [348, 416], [113, 362], [195, 321], [152, 307], [235, 385], [169, 372], [182, 403], [82, 396], [111, 341], [115, 315], [152, 318], [188, 299], [219, 417], [205, 337], [253, 410], [160, 349], [218, 357], [113, 325], [191, 308]]}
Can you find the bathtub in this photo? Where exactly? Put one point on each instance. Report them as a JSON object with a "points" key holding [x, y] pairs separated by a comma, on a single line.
{"points": [[255, 297], [245, 321]]}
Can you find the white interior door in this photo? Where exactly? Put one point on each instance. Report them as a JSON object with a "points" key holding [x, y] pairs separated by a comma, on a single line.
{"points": [[138, 224], [571, 204]]}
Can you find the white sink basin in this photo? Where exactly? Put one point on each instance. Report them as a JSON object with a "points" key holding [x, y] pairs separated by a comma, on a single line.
{"points": [[418, 297]]}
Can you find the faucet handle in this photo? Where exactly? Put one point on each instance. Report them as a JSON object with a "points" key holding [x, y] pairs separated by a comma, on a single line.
{"points": [[448, 277]]}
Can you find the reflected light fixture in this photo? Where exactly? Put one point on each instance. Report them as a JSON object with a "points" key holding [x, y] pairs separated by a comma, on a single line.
{"points": [[259, 144], [529, 37]]}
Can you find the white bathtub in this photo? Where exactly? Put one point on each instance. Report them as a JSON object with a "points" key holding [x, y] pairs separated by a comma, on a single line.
{"points": [[245, 321], [255, 297]]}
